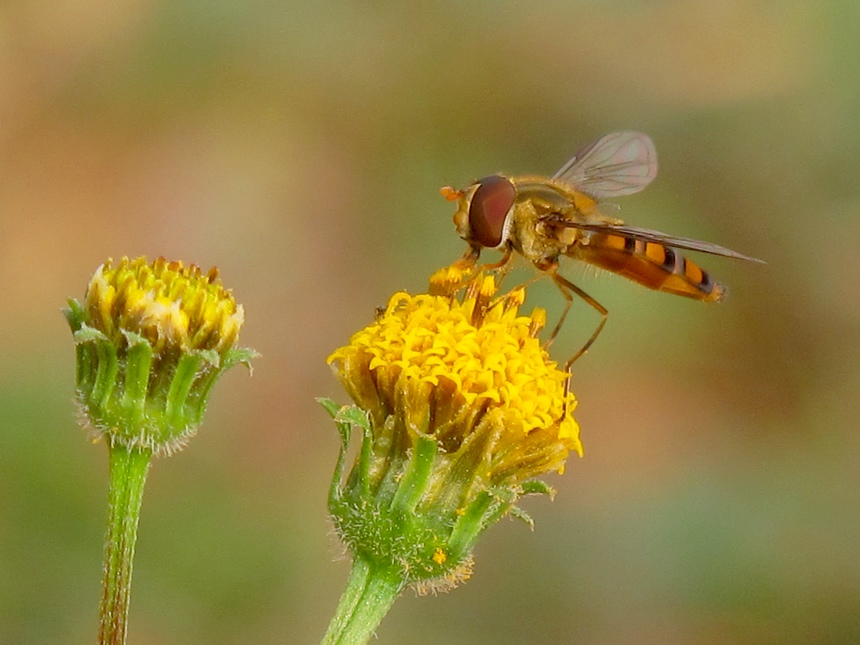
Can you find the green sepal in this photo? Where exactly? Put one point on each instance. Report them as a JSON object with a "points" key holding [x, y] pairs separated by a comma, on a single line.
{"points": [[352, 415], [408, 505], [140, 399], [531, 487], [486, 509], [344, 429], [238, 355], [97, 366], [329, 406], [537, 487], [519, 514], [180, 409], [138, 361], [86, 334], [416, 475], [346, 417], [74, 314]]}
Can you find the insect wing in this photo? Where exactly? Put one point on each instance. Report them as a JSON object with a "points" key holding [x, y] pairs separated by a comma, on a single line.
{"points": [[620, 163], [649, 235]]}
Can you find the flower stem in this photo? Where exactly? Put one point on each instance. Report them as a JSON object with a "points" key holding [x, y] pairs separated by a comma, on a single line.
{"points": [[370, 591], [128, 468]]}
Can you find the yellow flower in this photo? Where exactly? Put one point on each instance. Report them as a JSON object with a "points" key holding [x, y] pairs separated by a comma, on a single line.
{"points": [[476, 359], [462, 409], [171, 305]]}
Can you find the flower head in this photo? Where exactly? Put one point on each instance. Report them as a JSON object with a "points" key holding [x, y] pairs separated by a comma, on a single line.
{"points": [[176, 308], [446, 358], [152, 339], [465, 409]]}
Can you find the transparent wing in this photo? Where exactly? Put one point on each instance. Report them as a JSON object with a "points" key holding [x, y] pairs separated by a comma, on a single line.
{"points": [[620, 163], [648, 235]]}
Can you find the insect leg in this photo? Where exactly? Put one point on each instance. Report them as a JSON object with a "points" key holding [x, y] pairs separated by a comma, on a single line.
{"points": [[568, 289], [449, 280], [501, 267], [501, 264]]}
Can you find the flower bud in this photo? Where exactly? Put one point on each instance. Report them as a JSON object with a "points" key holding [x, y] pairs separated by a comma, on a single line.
{"points": [[151, 341]]}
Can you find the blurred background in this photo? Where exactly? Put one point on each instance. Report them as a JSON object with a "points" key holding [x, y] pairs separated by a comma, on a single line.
{"points": [[300, 148]]}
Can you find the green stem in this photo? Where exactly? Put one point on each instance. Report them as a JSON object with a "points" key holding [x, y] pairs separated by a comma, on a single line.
{"points": [[369, 594], [128, 470]]}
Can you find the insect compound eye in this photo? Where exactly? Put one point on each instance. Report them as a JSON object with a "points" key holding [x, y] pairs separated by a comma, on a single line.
{"points": [[489, 208]]}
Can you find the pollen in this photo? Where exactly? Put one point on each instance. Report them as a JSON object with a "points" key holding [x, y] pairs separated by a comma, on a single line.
{"points": [[449, 358]]}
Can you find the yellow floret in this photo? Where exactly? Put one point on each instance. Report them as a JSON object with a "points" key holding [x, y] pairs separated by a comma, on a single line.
{"points": [[168, 303], [485, 349]]}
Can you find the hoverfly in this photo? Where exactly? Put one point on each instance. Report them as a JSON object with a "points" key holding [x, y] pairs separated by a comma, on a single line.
{"points": [[544, 218]]}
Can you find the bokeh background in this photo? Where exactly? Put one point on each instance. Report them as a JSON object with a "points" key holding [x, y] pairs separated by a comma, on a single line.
{"points": [[300, 148]]}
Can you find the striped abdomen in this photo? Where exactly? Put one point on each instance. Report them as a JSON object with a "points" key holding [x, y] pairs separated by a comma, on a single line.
{"points": [[650, 264]]}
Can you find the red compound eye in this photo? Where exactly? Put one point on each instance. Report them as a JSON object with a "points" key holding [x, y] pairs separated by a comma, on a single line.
{"points": [[489, 209]]}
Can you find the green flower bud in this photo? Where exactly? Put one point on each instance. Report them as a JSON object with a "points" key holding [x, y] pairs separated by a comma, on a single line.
{"points": [[151, 341]]}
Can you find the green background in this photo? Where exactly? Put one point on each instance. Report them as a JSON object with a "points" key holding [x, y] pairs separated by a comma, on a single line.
{"points": [[300, 148]]}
